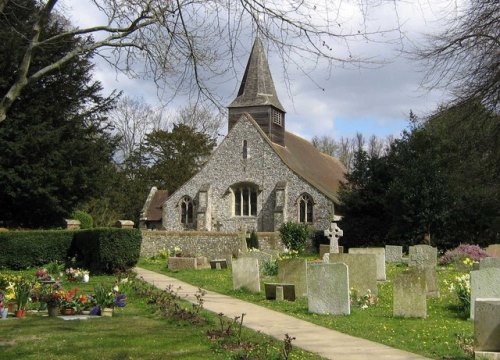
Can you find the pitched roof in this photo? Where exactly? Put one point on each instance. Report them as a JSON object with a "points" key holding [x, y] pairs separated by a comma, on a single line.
{"points": [[257, 86], [322, 171], [154, 210]]}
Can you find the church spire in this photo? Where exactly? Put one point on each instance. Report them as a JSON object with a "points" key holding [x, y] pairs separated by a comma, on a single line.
{"points": [[257, 96]]}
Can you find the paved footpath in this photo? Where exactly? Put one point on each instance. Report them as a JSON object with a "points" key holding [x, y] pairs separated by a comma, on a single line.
{"points": [[328, 343]]}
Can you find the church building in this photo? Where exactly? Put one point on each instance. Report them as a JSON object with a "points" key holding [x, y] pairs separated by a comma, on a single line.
{"points": [[260, 175]]}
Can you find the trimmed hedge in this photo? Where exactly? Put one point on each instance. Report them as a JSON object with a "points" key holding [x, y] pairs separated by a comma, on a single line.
{"points": [[106, 250], [23, 249], [99, 250]]}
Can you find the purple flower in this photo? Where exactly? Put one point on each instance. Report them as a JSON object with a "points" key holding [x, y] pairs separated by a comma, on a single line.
{"points": [[120, 300]]}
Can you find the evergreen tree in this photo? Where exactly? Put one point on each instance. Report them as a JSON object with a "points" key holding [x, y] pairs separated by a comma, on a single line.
{"points": [[54, 147]]}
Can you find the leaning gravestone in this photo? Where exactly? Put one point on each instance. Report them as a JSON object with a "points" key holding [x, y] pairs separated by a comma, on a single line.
{"points": [[409, 297], [328, 289], [489, 262], [246, 274], [379, 256], [362, 271], [294, 271], [484, 283], [393, 253], [487, 327], [422, 256]]}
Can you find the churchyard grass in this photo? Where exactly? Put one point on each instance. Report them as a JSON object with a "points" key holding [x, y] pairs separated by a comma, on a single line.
{"points": [[136, 331], [438, 336]]}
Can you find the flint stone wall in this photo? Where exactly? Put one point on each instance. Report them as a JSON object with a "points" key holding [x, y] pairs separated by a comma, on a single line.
{"points": [[213, 245]]}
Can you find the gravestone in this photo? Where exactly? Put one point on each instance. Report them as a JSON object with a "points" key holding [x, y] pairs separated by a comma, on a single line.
{"points": [[261, 256], [484, 283], [410, 294], [489, 262], [379, 256], [487, 326], [243, 235], [362, 271], [182, 263], [279, 291], [218, 264], [294, 271], [393, 253], [422, 256], [323, 249], [328, 289], [493, 250], [246, 274], [432, 281], [333, 234]]}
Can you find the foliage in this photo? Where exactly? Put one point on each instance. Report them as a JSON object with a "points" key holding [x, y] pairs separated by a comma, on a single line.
{"points": [[106, 250], [253, 241], [104, 296], [473, 252], [86, 221], [270, 268], [362, 301], [461, 287], [22, 292], [294, 235], [22, 249]]}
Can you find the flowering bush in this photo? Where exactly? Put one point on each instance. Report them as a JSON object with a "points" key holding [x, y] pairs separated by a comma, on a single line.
{"points": [[363, 301], [106, 298], [69, 299], [461, 252], [75, 274], [461, 287]]}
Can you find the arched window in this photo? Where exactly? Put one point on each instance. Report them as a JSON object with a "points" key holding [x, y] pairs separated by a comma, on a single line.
{"points": [[245, 149], [305, 205], [245, 200], [186, 210]]}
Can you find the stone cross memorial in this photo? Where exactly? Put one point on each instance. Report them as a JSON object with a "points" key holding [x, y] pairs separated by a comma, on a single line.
{"points": [[334, 233]]}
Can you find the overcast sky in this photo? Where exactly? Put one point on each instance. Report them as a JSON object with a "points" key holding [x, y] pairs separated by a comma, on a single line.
{"points": [[372, 99]]}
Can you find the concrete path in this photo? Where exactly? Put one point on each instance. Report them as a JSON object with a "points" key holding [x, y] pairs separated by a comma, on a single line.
{"points": [[328, 343]]}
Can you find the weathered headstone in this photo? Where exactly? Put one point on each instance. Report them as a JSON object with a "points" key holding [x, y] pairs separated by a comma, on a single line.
{"points": [[218, 264], [334, 233], [422, 256], [328, 288], [393, 253], [246, 274], [182, 263], [493, 250], [362, 271], [484, 283], [487, 326], [432, 281], [261, 256], [294, 271], [323, 249], [276, 290], [409, 296], [379, 256], [489, 262]]}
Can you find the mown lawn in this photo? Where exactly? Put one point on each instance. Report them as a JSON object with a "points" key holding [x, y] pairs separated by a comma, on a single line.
{"points": [[137, 331], [437, 336]]}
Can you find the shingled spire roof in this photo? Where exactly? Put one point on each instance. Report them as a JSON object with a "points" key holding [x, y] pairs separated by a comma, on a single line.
{"points": [[257, 86]]}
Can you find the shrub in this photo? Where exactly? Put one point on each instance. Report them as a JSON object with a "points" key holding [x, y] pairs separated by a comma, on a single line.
{"points": [[461, 287], [253, 241], [22, 249], [294, 236], [270, 268], [106, 250], [86, 220], [473, 252]]}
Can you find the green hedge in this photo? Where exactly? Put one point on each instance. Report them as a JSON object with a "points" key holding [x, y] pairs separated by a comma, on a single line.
{"points": [[23, 249], [99, 250], [107, 250]]}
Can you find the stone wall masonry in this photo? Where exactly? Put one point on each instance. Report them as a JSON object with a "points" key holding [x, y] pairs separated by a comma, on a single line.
{"points": [[213, 245]]}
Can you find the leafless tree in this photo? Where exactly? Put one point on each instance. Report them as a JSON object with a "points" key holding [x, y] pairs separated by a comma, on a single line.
{"points": [[376, 146], [466, 56], [326, 144], [202, 118], [183, 44], [132, 119]]}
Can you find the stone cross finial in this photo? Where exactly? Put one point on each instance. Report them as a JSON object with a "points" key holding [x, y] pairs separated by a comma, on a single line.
{"points": [[243, 238], [334, 233]]}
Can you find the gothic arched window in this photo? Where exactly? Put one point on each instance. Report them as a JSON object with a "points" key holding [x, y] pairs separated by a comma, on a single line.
{"points": [[245, 200], [186, 210], [305, 207]]}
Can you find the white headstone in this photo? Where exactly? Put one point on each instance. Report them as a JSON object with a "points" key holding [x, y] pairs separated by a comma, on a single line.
{"points": [[379, 257], [484, 283], [328, 289], [246, 274], [334, 233]]}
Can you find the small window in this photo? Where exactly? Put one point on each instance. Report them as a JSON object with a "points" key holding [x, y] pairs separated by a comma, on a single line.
{"points": [[245, 149], [186, 210], [305, 205], [277, 118], [245, 200]]}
